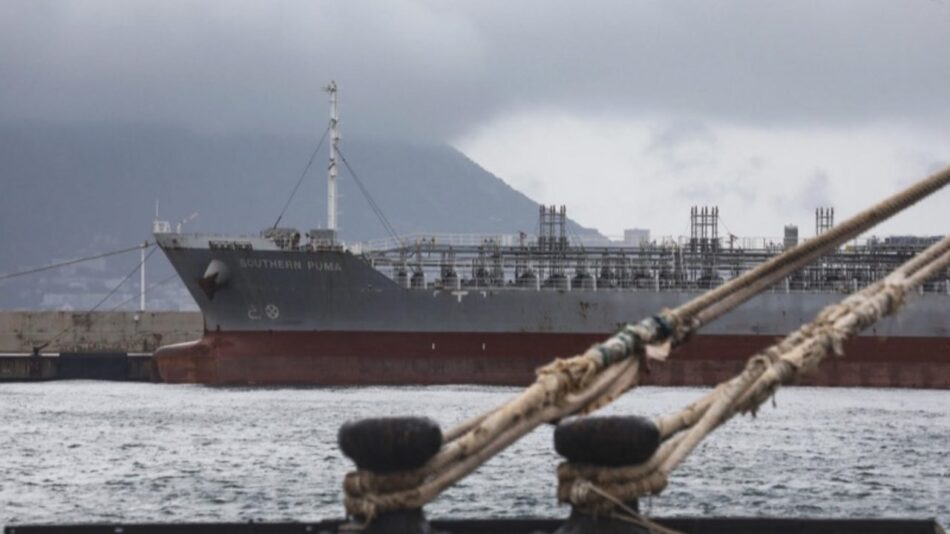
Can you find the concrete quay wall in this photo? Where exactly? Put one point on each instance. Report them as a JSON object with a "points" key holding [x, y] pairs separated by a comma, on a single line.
{"points": [[78, 366], [20, 331]]}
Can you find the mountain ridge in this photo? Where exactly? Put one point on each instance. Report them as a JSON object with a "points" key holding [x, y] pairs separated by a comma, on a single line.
{"points": [[75, 189]]}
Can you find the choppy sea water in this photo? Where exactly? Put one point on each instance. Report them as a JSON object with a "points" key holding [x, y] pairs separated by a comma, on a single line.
{"points": [[85, 451]]}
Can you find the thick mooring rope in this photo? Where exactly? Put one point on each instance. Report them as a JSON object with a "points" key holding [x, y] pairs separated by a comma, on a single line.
{"points": [[783, 363], [586, 382]]}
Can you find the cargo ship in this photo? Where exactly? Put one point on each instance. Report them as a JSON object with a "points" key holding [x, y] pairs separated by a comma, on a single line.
{"points": [[283, 307]]}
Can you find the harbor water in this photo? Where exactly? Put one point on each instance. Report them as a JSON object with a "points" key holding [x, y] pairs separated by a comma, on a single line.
{"points": [[86, 451]]}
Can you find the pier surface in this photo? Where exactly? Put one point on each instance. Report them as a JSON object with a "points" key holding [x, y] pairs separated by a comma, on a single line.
{"points": [[517, 526]]}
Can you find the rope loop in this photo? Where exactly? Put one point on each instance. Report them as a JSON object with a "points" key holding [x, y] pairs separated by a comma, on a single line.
{"points": [[581, 383]]}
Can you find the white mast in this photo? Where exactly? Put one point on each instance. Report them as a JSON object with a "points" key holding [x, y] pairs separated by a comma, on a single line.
{"points": [[331, 171], [142, 278], [156, 227]]}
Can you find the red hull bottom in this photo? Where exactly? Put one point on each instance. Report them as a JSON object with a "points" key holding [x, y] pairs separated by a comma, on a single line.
{"points": [[388, 358]]}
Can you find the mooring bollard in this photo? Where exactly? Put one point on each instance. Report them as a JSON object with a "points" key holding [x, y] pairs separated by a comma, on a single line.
{"points": [[606, 442], [388, 446]]}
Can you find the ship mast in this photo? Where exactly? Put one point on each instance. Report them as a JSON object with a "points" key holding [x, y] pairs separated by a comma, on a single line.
{"points": [[331, 170]]}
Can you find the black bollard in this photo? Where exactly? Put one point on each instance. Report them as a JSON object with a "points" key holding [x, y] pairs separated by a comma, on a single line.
{"points": [[607, 442], [387, 445]]}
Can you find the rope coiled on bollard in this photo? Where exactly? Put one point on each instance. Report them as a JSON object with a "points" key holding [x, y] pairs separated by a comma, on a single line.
{"points": [[797, 354], [591, 380]]}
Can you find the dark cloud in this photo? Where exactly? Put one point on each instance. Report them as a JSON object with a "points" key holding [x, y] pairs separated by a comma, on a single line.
{"points": [[434, 69]]}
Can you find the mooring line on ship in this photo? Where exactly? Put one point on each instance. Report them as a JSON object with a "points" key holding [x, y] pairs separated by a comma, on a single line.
{"points": [[147, 291], [145, 244], [369, 199], [38, 348], [302, 175]]}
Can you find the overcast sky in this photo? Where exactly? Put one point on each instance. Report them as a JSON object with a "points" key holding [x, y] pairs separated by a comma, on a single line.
{"points": [[628, 112]]}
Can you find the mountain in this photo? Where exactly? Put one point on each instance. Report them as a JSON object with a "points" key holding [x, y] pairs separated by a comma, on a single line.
{"points": [[70, 190]]}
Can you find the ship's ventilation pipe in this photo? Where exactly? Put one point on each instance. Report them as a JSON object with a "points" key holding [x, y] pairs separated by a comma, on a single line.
{"points": [[418, 280], [402, 278]]}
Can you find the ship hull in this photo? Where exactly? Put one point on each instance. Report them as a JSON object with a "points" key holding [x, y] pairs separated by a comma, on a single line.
{"points": [[400, 358], [331, 318]]}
